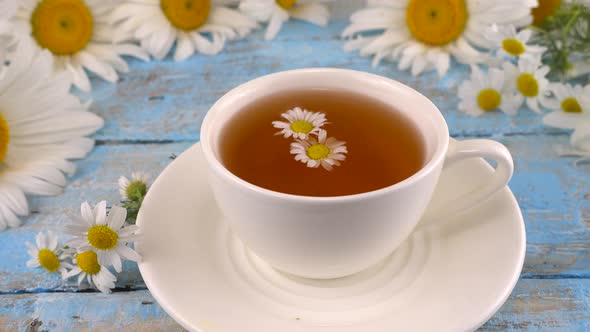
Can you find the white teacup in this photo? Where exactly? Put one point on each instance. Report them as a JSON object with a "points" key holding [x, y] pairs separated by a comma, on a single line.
{"points": [[331, 237]]}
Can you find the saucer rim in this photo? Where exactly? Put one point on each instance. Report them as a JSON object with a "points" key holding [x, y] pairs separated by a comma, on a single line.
{"points": [[500, 300]]}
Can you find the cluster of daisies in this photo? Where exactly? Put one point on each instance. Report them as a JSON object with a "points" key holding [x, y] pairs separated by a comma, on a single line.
{"points": [[517, 77], [99, 240], [94, 35], [424, 35], [312, 145]]}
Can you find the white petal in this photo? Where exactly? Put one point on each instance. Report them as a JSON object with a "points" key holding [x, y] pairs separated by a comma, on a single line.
{"points": [[116, 218], [100, 213]]}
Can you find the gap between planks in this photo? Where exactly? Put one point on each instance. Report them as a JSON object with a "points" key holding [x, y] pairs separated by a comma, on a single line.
{"points": [[460, 135]]}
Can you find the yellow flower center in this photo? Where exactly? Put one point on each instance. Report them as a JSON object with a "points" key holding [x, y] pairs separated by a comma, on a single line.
{"points": [[48, 259], [102, 237], [62, 26], [527, 85], [436, 22], [88, 262], [318, 151], [513, 46], [545, 9], [489, 99], [286, 4], [186, 14], [571, 105], [303, 127], [4, 138]]}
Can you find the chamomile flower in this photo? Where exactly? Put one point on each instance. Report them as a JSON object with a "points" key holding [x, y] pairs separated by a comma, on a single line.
{"points": [[300, 123], [158, 24], [104, 234], [47, 255], [42, 127], [512, 44], [528, 80], [77, 33], [544, 9], [276, 12], [134, 189], [570, 106], [485, 92], [87, 267], [423, 34], [323, 151]]}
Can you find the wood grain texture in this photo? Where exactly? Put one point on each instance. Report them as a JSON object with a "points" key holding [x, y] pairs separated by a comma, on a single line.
{"points": [[163, 101], [550, 190], [155, 112], [535, 305]]}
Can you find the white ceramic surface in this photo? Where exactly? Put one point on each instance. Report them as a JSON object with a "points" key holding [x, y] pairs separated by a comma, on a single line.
{"points": [[450, 276], [304, 235]]}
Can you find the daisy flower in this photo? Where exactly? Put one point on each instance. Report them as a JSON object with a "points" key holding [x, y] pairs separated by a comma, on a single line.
{"points": [[325, 152], [300, 123], [276, 12], [423, 34], [104, 234], [77, 33], [528, 79], [189, 23], [512, 44], [544, 9], [570, 106], [87, 267], [42, 126], [134, 189], [47, 255], [486, 92]]}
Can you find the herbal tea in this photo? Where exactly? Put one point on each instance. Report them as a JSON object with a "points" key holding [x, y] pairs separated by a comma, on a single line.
{"points": [[321, 143]]}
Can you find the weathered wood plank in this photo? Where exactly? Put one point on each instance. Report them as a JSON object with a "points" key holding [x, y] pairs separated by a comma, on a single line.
{"points": [[160, 101], [553, 194], [535, 305]]}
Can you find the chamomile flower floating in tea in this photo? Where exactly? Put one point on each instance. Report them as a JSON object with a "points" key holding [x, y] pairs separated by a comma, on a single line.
{"points": [[528, 79], [485, 92], [276, 12], [47, 255], [77, 33], [570, 105], [324, 151], [88, 268], [104, 234], [512, 44], [42, 127], [300, 123], [423, 34], [201, 26]]}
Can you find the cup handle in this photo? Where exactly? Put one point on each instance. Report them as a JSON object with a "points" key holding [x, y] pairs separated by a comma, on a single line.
{"points": [[478, 148]]}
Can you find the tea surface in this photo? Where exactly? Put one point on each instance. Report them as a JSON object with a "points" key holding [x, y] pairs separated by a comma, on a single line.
{"points": [[383, 146]]}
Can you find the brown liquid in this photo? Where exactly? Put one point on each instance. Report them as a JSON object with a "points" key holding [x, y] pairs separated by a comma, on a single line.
{"points": [[384, 147]]}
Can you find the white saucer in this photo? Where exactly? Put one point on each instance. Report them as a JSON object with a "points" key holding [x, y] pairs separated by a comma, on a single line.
{"points": [[452, 277]]}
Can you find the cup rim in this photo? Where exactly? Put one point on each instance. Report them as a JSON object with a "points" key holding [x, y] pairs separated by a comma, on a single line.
{"points": [[216, 165]]}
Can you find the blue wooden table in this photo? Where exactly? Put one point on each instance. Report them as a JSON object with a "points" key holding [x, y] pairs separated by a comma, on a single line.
{"points": [[155, 112]]}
